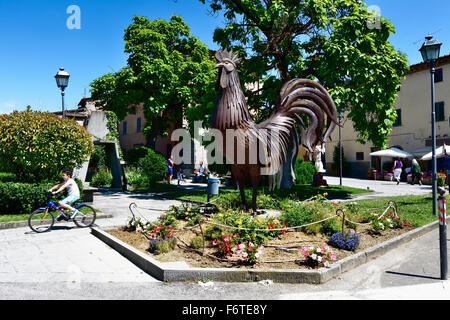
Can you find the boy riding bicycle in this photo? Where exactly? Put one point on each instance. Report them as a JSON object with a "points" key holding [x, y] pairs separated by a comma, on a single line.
{"points": [[73, 194]]}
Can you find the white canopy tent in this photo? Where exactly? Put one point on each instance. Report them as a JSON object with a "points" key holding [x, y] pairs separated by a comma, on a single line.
{"points": [[441, 152], [421, 152], [392, 153]]}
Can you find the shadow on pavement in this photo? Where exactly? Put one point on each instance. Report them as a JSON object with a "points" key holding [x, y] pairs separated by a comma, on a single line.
{"points": [[412, 275]]}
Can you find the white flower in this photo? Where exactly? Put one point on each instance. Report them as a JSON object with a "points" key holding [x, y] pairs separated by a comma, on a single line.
{"points": [[314, 256], [319, 258], [326, 264]]}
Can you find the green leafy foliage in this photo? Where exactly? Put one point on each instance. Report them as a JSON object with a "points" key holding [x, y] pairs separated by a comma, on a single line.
{"points": [[7, 177], [330, 41], [103, 178], [23, 198], [153, 166], [99, 158], [304, 171], [168, 70], [132, 156], [39, 145]]}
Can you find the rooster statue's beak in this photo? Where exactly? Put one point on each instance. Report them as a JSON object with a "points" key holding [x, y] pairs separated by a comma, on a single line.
{"points": [[219, 65]]}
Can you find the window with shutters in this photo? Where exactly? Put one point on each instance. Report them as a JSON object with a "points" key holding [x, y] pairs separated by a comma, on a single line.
{"points": [[438, 76], [124, 128], [360, 156], [440, 112], [138, 124], [398, 121]]}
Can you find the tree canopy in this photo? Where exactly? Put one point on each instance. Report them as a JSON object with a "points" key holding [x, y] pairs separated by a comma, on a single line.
{"points": [[334, 42], [168, 70]]}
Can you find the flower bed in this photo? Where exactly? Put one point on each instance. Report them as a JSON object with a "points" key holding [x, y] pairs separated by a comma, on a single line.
{"points": [[301, 237]]}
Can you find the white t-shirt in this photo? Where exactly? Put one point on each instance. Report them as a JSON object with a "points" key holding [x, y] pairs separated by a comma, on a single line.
{"points": [[72, 187]]}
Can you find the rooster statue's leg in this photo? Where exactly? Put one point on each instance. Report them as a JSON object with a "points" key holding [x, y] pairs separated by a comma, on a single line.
{"points": [[255, 174], [242, 192]]}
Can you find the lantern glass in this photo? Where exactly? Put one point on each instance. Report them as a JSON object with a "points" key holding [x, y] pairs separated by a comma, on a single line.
{"points": [[62, 79], [431, 49]]}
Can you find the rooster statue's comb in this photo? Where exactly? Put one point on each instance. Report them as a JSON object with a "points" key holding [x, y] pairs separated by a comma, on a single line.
{"points": [[227, 56]]}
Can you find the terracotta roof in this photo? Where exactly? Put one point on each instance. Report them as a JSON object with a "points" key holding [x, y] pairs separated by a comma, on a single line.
{"points": [[83, 101], [425, 66]]}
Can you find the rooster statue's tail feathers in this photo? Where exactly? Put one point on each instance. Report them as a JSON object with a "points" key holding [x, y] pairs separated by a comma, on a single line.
{"points": [[309, 97]]}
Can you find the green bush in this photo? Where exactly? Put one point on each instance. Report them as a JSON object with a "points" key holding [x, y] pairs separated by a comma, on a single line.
{"points": [[197, 242], [99, 158], [153, 166], [133, 156], [134, 176], [38, 145], [304, 171], [441, 180], [7, 177], [103, 178], [23, 198]]}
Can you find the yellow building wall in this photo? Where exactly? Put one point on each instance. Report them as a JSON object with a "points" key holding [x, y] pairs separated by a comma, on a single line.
{"points": [[414, 99]]}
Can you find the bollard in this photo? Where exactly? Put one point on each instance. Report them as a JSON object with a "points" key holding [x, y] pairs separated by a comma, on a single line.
{"points": [[443, 234]]}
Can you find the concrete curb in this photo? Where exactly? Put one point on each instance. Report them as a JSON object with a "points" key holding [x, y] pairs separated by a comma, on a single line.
{"points": [[182, 272], [21, 224]]}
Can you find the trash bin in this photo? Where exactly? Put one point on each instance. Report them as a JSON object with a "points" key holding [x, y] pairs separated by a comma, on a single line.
{"points": [[213, 186]]}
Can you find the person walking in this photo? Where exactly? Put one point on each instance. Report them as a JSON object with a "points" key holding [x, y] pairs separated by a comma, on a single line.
{"points": [[416, 172], [397, 168], [170, 168]]}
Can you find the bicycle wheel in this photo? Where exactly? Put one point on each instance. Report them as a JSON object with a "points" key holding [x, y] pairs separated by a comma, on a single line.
{"points": [[86, 217], [41, 220]]}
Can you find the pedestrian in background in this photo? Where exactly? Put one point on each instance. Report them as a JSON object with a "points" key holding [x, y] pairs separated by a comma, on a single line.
{"points": [[397, 168], [416, 172], [170, 168]]}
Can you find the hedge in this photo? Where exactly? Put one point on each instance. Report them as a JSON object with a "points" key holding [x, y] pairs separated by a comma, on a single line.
{"points": [[7, 177], [24, 198]]}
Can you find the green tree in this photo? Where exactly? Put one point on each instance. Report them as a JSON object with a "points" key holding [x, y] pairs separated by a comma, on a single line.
{"points": [[168, 70], [38, 145], [336, 165], [338, 43]]}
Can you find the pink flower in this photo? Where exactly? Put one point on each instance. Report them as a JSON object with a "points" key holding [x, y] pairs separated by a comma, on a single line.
{"points": [[215, 242]]}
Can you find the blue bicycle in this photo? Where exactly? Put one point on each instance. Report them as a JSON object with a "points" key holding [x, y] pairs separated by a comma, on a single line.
{"points": [[43, 219]]}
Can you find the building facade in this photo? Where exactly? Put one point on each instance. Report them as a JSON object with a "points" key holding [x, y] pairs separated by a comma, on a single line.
{"points": [[412, 130]]}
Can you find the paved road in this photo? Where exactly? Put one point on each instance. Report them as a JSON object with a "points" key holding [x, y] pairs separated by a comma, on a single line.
{"points": [[382, 188], [69, 263]]}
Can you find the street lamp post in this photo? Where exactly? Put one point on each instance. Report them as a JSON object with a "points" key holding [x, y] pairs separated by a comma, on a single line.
{"points": [[62, 81], [340, 115], [430, 51]]}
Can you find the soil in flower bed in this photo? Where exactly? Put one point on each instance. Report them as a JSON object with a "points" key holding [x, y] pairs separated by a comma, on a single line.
{"points": [[273, 257]]}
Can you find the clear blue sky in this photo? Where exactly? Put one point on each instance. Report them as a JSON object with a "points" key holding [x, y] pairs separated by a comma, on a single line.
{"points": [[36, 41]]}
